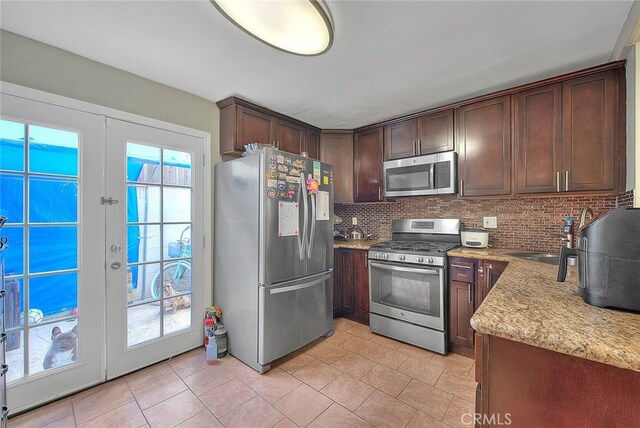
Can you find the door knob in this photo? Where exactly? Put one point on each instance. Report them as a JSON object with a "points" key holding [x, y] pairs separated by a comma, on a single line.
{"points": [[116, 265], [116, 247]]}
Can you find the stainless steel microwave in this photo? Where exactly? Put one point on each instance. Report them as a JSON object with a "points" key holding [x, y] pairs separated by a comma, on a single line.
{"points": [[421, 175]]}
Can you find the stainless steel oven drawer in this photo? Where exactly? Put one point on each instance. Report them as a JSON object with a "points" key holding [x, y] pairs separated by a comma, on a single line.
{"points": [[423, 337]]}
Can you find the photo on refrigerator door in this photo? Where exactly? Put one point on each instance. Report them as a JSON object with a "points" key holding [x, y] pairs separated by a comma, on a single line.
{"points": [[39, 187], [159, 222]]}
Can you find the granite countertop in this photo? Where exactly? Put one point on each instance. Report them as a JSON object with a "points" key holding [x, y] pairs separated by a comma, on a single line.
{"points": [[528, 305], [357, 245]]}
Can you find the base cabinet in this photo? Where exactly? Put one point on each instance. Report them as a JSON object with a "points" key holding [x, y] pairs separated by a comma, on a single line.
{"points": [[470, 280], [351, 285], [525, 386]]}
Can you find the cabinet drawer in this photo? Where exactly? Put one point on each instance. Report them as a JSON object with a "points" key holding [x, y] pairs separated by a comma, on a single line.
{"points": [[462, 270]]}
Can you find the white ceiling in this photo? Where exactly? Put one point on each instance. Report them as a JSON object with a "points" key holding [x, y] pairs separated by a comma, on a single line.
{"points": [[388, 57]]}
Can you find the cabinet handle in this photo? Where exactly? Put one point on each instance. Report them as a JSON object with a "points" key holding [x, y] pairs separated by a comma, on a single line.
{"points": [[469, 293], [461, 187], [487, 277], [419, 151], [460, 266], [379, 193], [566, 180], [558, 181]]}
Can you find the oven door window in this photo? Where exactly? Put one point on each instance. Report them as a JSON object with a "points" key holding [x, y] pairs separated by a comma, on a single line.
{"points": [[406, 288], [414, 177]]}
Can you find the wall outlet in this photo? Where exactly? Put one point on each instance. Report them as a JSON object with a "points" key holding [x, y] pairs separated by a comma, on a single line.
{"points": [[490, 222]]}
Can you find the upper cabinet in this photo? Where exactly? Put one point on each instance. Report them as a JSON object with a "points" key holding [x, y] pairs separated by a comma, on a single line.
{"points": [[483, 135], [589, 110], [565, 135], [429, 133], [538, 139], [243, 123], [561, 135], [367, 165], [336, 148], [288, 136], [312, 143]]}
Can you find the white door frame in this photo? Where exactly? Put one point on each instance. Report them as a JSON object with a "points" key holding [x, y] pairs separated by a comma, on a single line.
{"points": [[122, 358], [83, 106], [88, 368]]}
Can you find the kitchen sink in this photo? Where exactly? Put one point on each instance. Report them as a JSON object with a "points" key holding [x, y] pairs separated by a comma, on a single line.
{"points": [[548, 258]]}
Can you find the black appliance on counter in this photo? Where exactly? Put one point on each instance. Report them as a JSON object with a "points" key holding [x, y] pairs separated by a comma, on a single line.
{"points": [[608, 260]]}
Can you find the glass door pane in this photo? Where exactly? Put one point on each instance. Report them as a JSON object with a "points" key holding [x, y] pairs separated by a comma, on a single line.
{"points": [[158, 263], [39, 195]]}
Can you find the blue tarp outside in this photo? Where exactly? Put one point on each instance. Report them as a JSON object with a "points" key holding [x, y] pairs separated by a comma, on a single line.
{"points": [[52, 200]]}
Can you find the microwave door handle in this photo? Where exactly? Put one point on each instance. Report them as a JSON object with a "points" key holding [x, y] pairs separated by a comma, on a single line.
{"points": [[432, 175]]}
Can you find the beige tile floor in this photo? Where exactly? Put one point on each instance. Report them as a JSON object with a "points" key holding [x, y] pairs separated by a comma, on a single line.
{"points": [[352, 379]]}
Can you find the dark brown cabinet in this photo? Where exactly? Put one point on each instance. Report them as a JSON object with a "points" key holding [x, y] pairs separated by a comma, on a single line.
{"points": [[243, 123], [517, 380], [589, 132], [312, 143], [488, 273], [351, 285], [483, 135], [336, 148], [367, 165], [538, 139], [430, 133], [470, 280], [461, 309], [565, 136], [288, 136]]}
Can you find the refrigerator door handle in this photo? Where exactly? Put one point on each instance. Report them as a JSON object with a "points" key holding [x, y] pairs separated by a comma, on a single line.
{"points": [[302, 238], [313, 225], [297, 287], [305, 208]]}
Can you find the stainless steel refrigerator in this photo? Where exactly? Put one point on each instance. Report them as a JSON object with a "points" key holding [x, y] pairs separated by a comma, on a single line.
{"points": [[273, 263]]}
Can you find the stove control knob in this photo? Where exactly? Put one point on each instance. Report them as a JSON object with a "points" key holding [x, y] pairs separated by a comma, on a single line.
{"points": [[401, 257], [385, 256], [420, 259], [430, 260], [376, 255]]}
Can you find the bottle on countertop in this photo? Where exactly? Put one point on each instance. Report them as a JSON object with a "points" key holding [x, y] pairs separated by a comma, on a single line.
{"points": [[568, 231]]}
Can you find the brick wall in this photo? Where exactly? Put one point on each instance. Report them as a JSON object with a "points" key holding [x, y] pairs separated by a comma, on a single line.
{"points": [[533, 224]]}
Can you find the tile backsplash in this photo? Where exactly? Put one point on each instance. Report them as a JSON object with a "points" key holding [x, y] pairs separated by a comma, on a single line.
{"points": [[533, 224]]}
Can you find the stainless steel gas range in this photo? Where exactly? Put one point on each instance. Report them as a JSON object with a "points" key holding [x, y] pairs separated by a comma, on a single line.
{"points": [[407, 282]]}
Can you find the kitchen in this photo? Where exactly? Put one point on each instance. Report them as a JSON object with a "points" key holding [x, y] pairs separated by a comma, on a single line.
{"points": [[523, 223]]}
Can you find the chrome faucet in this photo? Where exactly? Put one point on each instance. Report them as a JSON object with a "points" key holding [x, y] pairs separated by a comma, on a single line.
{"points": [[583, 217]]}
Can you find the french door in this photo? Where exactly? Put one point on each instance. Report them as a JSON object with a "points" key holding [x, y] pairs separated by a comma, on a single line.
{"points": [[105, 268], [154, 204], [50, 178]]}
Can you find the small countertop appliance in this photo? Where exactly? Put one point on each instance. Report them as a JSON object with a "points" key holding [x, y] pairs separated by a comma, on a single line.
{"points": [[474, 237], [608, 260]]}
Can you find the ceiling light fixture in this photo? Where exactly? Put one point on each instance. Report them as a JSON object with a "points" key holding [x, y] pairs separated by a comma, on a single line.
{"points": [[301, 27]]}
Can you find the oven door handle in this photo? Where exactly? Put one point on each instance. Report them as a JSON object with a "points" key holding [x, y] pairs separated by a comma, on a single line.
{"points": [[402, 268]]}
